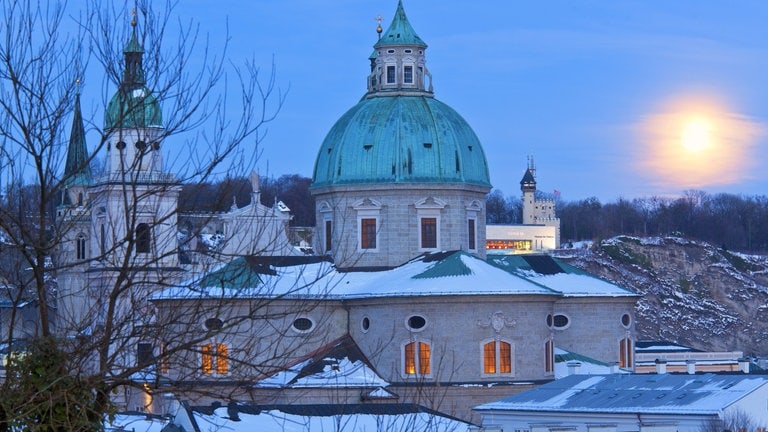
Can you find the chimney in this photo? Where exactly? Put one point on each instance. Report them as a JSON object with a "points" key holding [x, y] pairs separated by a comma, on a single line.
{"points": [[614, 367], [573, 367], [690, 366], [743, 365], [661, 366]]}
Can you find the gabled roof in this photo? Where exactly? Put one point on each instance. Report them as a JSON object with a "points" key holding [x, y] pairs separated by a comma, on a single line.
{"points": [[340, 364], [400, 31], [633, 393]]}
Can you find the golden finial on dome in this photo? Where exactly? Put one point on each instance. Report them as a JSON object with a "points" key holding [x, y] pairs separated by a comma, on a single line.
{"points": [[378, 27]]}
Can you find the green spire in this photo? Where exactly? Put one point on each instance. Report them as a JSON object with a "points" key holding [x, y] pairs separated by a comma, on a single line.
{"points": [[400, 31], [134, 53], [77, 171]]}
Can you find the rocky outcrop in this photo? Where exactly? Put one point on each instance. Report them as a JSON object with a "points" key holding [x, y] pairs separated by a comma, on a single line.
{"points": [[693, 293]]}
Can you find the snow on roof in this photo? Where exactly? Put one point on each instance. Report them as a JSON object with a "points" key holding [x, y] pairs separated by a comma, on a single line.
{"points": [[340, 364], [135, 422], [455, 274], [661, 346], [278, 421], [558, 276], [634, 393], [442, 273], [335, 373], [587, 365]]}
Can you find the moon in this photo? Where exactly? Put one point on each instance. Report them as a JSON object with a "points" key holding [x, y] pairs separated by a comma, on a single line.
{"points": [[696, 142], [696, 135]]}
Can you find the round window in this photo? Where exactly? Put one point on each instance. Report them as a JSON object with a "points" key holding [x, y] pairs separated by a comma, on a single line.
{"points": [[416, 322], [365, 324], [302, 324], [626, 320], [560, 321], [141, 145], [155, 145], [214, 324], [120, 145]]}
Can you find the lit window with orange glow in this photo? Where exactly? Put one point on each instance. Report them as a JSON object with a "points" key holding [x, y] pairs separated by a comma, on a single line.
{"points": [[417, 356], [215, 359], [625, 353], [497, 358]]}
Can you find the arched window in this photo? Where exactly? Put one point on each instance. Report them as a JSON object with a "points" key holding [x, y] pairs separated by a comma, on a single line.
{"points": [[417, 358], [497, 357], [143, 238], [80, 247], [328, 235], [215, 359], [103, 241], [626, 353], [549, 356]]}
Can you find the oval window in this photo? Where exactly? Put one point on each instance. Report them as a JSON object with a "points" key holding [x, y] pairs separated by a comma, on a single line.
{"points": [[549, 320], [214, 324], [560, 321], [141, 145], [626, 320], [120, 145], [302, 324], [416, 322], [365, 324]]}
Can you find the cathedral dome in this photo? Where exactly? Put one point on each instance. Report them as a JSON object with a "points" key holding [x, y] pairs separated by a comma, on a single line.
{"points": [[401, 139], [133, 108], [398, 132]]}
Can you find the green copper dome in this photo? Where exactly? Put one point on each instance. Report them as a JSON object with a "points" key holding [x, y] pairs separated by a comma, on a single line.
{"points": [[401, 139], [133, 108]]}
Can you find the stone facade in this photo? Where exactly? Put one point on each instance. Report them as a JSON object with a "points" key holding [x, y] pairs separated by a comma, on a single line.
{"points": [[397, 210]]}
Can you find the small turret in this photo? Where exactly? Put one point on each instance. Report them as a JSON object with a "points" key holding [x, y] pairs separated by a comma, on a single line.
{"points": [[398, 65]]}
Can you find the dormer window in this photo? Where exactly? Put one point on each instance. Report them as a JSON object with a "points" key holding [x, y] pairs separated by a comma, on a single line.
{"points": [[391, 79], [408, 74]]}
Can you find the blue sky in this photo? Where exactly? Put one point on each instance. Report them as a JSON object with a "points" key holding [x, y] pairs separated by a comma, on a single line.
{"points": [[599, 92]]}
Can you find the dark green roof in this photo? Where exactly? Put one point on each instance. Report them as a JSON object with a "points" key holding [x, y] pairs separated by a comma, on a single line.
{"points": [[400, 31], [236, 274], [133, 107], [133, 45], [528, 178], [77, 171], [401, 139], [446, 264]]}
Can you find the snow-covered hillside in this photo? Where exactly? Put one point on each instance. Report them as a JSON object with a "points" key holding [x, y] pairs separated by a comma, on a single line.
{"points": [[694, 294]]}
